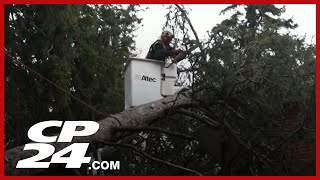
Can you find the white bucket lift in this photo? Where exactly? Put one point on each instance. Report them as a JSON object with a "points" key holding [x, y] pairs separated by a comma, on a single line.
{"points": [[147, 80]]}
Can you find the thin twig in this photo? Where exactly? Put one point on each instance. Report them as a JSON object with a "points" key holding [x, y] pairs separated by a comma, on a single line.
{"points": [[309, 130]]}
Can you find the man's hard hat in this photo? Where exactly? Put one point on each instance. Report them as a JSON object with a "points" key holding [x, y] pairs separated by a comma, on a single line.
{"points": [[167, 32]]}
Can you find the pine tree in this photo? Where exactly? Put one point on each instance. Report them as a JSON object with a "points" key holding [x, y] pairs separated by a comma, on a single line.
{"points": [[80, 48]]}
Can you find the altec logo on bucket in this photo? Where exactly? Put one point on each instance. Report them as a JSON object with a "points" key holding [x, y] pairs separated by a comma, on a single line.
{"points": [[146, 78], [77, 150], [150, 79]]}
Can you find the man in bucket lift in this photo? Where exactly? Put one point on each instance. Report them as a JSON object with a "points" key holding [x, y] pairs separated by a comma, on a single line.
{"points": [[161, 49]]}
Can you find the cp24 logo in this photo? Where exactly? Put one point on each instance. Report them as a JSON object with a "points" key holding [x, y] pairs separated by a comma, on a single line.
{"points": [[69, 130]]}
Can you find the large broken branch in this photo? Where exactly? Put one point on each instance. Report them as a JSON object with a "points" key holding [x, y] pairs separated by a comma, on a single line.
{"points": [[134, 117]]}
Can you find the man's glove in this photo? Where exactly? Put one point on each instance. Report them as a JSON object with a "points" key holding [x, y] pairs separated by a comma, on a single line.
{"points": [[179, 57], [175, 52]]}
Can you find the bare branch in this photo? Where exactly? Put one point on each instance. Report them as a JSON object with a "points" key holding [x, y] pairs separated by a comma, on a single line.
{"points": [[262, 158], [202, 119], [187, 70], [309, 130], [150, 157], [193, 30], [145, 128], [39, 29], [238, 139], [235, 85]]}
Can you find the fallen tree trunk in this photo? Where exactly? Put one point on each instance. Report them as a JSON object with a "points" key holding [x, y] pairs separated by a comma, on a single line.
{"points": [[138, 116]]}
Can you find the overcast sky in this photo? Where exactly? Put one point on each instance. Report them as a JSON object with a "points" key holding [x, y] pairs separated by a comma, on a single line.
{"points": [[205, 16]]}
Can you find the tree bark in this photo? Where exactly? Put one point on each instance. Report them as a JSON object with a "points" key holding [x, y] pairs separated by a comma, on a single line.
{"points": [[134, 117]]}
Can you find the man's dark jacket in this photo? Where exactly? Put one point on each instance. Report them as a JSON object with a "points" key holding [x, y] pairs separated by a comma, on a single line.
{"points": [[159, 51]]}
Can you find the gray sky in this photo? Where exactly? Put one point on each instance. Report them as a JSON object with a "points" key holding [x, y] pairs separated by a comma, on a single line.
{"points": [[205, 16]]}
